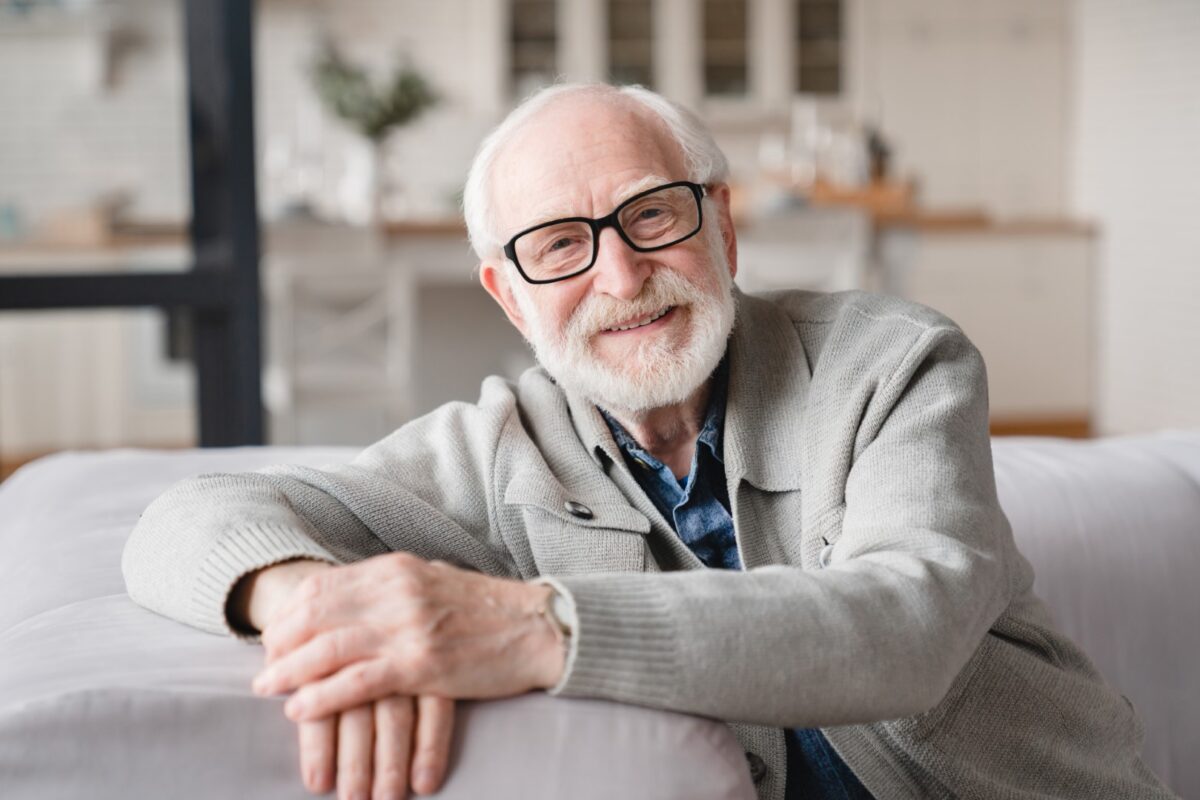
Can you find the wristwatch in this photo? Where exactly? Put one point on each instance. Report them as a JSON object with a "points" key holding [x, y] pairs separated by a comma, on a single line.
{"points": [[558, 612]]}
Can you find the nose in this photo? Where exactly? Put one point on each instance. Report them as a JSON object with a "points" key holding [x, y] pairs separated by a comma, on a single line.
{"points": [[619, 270]]}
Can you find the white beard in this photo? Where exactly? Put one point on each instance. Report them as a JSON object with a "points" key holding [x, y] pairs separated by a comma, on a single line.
{"points": [[664, 369]]}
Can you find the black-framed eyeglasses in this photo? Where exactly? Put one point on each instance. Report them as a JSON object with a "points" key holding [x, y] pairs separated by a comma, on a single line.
{"points": [[651, 220]]}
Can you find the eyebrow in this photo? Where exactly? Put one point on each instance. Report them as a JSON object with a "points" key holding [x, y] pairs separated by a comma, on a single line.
{"points": [[549, 213], [629, 189]]}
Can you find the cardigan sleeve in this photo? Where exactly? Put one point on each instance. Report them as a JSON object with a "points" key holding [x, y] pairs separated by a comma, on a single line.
{"points": [[425, 489]]}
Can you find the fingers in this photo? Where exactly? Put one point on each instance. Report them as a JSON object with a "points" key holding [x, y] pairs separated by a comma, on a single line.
{"points": [[286, 631], [317, 658], [357, 684], [318, 741], [435, 727], [394, 720], [355, 753]]}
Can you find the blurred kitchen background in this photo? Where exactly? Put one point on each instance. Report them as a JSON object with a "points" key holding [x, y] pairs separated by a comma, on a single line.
{"points": [[1029, 167]]}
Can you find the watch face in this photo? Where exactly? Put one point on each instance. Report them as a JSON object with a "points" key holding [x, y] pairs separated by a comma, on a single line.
{"points": [[560, 611]]}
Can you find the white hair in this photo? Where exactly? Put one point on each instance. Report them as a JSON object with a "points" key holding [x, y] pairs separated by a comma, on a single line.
{"points": [[705, 161]]}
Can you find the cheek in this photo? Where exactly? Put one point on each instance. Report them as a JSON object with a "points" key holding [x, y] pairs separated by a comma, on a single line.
{"points": [[700, 272], [556, 304]]}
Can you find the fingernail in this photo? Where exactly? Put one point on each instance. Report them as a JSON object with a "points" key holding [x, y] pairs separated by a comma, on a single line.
{"points": [[315, 779], [425, 780], [260, 684]]}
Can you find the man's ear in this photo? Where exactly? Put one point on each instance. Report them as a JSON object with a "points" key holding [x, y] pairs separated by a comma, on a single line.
{"points": [[721, 199], [495, 280]]}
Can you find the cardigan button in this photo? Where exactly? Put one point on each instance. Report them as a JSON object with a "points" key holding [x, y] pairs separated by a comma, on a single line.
{"points": [[577, 509], [825, 556], [758, 769]]}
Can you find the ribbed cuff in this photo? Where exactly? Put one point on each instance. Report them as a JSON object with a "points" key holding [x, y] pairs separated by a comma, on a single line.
{"points": [[624, 646], [242, 551]]}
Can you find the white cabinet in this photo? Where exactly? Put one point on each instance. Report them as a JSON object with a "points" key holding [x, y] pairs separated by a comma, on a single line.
{"points": [[339, 338], [1026, 299], [83, 379], [819, 249], [365, 333], [974, 96], [72, 379]]}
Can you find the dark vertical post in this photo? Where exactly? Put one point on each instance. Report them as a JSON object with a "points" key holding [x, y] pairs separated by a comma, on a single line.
{"points": [[226, 341]]}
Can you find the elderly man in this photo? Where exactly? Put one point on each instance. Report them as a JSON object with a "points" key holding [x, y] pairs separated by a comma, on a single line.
{"points": [[779, 512]]}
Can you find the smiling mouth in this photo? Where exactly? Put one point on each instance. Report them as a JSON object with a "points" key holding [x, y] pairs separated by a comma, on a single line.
{"points": [[643, 322]]}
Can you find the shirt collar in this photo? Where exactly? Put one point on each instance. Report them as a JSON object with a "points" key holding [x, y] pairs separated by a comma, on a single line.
{"points": [[710, 434]]}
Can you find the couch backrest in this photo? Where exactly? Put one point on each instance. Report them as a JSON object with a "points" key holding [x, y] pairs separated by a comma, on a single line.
{"points": [[1112, 528]]}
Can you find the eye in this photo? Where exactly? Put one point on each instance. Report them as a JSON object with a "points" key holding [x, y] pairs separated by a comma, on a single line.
{"points": [[650, 213], [561, 246]]}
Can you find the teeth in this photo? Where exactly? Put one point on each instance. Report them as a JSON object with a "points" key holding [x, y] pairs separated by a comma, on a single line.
{"points": [[644, 322]]}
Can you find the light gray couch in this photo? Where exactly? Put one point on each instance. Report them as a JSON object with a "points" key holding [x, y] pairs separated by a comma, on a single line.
{"points": [[99, 698]]}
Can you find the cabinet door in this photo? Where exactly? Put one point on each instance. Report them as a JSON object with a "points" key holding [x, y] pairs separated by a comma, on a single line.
{"points": [[1023, 102], [922, 89], [1026, 301], [973, 96]]}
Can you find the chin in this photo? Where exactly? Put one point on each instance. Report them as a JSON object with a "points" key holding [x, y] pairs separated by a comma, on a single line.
{"points": [[643, 382]]}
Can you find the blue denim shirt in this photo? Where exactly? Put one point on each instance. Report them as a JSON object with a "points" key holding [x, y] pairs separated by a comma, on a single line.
{"points": [[697, 507]]}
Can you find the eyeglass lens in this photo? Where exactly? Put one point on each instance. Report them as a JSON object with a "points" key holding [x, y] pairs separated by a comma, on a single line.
{"points": [[658, 219]]}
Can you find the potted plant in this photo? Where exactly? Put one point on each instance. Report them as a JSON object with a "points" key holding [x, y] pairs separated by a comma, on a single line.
{"points": [[375, 110]]}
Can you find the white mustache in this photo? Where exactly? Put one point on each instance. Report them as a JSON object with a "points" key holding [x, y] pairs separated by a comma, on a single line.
{"points": [[599, 313]]}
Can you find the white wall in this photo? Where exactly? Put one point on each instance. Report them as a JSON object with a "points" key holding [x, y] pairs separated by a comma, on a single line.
{"points": [[68, 136], [973, 95], [979, 98], [1137, 172], [455, 44]]}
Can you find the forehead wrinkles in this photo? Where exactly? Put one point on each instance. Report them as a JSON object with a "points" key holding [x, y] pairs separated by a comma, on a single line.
{"points": [[558, 158], [557, 209]]}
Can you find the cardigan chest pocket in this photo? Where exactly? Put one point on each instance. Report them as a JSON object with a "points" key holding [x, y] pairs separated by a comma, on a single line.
{"points": [[575, 534]]}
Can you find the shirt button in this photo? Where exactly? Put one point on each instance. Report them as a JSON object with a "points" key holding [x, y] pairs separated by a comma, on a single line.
{"points": [[758, 769], [577, 509], [825, 555]]}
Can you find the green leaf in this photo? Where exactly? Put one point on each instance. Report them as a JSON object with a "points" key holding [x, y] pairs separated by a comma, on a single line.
{"points": [[348, 92]]}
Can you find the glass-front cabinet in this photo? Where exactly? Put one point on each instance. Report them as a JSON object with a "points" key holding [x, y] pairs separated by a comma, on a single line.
{"points": [[731, 52]]}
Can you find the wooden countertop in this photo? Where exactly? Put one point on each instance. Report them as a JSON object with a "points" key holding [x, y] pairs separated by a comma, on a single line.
{"points": [[976, 222], [161, 237]]}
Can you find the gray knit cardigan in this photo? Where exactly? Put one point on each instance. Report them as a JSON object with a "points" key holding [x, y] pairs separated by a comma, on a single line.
{"points": [[882, 600]]}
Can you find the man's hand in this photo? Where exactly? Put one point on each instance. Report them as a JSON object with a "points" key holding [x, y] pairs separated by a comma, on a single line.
{"points": [[396, 624], [368, 751], [379, 749]]}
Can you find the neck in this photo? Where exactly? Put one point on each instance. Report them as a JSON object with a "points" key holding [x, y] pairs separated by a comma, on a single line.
{"points": [[669, 433]]}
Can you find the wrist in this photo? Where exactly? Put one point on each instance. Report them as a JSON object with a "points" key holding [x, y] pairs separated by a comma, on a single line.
{"points": [[258, 594]]}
